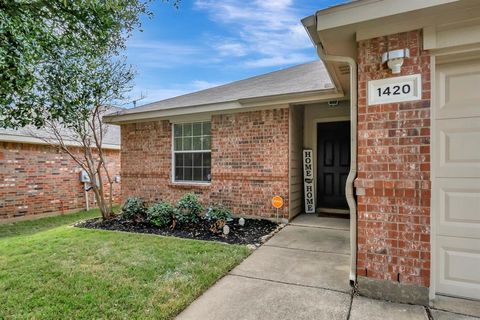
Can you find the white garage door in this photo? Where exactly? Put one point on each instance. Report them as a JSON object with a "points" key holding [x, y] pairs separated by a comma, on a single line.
{"points": [[456, 184]]}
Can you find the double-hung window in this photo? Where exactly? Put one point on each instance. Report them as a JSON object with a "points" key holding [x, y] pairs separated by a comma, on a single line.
{"points": [[191, 152]]}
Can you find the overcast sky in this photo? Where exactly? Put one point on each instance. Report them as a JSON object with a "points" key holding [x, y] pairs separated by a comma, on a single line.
{"points": [[206, 43]]}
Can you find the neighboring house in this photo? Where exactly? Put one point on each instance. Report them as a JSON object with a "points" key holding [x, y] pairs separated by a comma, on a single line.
{"points": [[400, 155], [37, 179]]}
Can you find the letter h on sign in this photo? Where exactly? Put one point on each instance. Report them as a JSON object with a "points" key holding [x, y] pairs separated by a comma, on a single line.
{"points": [[308, 186]]}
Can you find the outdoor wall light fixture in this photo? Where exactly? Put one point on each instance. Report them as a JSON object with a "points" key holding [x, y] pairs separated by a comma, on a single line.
{"points": [[333, 103], [395, 59]]}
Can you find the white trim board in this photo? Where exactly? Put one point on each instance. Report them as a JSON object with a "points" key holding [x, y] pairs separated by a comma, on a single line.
{"points": [[243, 105]]}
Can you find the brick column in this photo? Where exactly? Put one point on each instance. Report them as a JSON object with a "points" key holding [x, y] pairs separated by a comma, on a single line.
{"points": [[393, 183]]}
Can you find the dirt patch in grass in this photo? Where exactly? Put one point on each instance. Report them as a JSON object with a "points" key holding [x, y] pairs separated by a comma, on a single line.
{"points": [[253, 232]]}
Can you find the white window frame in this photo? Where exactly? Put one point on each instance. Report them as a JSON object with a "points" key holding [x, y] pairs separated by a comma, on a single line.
{"points": [[188, 182]]}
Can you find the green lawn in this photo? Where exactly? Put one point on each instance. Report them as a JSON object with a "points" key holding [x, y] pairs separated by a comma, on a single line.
{"points": [[50, 270]]}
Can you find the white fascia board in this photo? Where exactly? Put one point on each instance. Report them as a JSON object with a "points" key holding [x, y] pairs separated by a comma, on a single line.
{"points": [[33, 140], [299, 98], [366, 10], [310, 25], [165, 113]]}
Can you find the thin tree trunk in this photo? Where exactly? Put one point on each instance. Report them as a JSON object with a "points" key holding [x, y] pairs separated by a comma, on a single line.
{"points": [[102, 206], [91, 158], [111, 197]]}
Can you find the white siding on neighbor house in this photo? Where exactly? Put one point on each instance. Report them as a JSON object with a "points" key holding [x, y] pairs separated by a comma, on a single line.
{"points": [[296, 169], [456, 179]]}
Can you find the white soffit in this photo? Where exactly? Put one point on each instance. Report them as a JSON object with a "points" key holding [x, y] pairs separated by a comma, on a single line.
{"points": [[339, 28], [366, 10]]}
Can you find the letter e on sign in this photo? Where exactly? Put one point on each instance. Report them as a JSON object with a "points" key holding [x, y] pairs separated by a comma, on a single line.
{"points": [[277, 202]]}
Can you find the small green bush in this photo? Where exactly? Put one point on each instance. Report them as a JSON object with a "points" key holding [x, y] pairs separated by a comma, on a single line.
{"points": [[161, 214], [188, 209], [217, 215], [134, 209], [218, 212]]}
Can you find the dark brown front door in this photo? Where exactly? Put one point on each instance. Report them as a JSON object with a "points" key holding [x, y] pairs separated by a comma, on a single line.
{"points": [[333, 163]]}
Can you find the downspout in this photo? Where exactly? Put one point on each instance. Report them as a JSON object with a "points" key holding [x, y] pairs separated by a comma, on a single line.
{"points": [[349, 188]]}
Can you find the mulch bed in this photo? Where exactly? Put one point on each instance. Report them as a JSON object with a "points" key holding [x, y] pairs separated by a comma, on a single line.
{"points": [[252, 232]]}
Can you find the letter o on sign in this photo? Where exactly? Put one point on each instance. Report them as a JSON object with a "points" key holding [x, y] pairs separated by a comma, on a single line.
{"points": [[277, 202]]}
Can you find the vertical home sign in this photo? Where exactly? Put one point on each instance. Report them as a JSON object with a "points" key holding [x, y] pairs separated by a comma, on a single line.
{"points": [[308, 181]]}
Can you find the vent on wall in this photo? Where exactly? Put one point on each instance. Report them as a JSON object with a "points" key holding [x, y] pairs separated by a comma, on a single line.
{"points": [[344, 69]]}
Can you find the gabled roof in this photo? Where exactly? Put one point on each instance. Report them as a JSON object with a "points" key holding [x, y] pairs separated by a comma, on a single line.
{"points": [[30, 134], [310, 77]]}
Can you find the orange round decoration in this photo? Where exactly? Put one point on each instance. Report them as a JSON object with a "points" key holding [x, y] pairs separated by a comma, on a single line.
{"points": [[277, 202]]}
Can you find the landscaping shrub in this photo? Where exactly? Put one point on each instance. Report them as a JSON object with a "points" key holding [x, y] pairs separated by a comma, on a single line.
{"points": [[161, 214], [218, 212], [134, 209], [218, 215], [188, 209]]}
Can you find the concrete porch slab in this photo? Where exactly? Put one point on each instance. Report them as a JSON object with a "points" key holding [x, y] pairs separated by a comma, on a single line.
{"points": [[442, 315], [241, 298], [309, 268], [369, 309], [457, 305], [314, 239], [314, 221]]}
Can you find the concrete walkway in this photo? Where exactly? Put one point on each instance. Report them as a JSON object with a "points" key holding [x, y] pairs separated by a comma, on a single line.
{"points": [[300, 273]]}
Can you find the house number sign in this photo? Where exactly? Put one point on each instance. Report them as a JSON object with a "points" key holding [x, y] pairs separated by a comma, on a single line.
{"points": [[396, 89], [308, 181]]}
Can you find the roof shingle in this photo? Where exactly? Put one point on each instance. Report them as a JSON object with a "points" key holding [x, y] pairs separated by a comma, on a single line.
{"points": [[308, 77]]}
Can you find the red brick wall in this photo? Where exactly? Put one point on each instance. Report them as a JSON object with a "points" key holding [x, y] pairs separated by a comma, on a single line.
{"points": [[249, 162], [38, 179], [394, 169]]}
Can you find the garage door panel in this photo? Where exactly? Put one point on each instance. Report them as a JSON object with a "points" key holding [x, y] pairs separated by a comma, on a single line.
{"points": [[458, 148], [456, 179], [457, 88], [458, 203], [458, 268]]}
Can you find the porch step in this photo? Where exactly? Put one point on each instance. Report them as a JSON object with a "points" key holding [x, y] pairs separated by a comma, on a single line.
{"points": [[315, 221]]}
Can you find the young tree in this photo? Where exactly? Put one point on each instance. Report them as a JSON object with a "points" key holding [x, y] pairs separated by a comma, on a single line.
{"points": [[35, 32], [87, 93], [59, 70]]}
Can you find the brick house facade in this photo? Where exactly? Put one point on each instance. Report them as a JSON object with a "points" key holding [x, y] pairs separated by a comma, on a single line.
{"points": [[38, 180], [414, 230], [249, 157], [255, 155]]}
